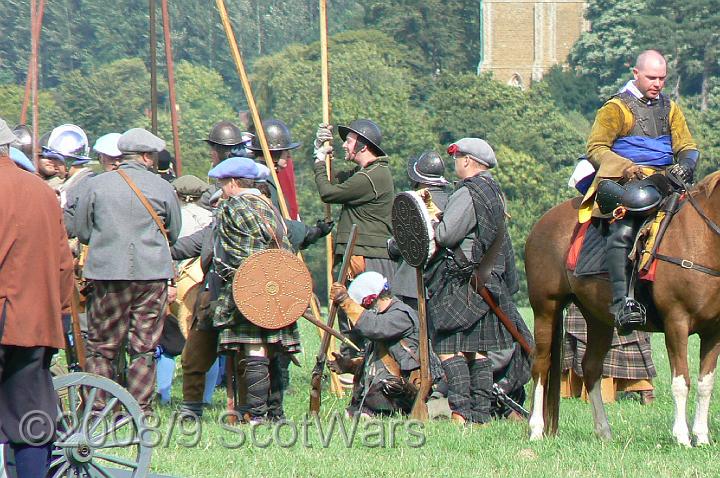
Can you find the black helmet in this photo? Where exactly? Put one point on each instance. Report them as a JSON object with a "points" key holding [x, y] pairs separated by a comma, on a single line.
{"points": [[427, 169], [277, 135], [24, 139], [224, 133], [367, 130]]}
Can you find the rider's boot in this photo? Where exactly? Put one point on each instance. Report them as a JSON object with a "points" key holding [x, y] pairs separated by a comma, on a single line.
{"points": [[629, 313]]}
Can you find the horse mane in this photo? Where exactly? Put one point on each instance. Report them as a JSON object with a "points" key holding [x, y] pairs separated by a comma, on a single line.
{"points": [[708, 184]]}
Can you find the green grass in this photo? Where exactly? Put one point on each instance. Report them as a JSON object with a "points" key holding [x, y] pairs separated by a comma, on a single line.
{"points": [[642, 441]]}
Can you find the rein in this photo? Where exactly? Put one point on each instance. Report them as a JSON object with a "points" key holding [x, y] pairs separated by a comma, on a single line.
{"points": [[684, 263]]}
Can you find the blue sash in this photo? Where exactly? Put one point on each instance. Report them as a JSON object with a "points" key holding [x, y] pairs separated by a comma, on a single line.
{"points": [[645, 151]]}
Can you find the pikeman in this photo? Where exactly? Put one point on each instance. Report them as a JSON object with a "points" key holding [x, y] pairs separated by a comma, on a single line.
{"points": [[466, 327], [366, 195], [248, 223], [128, 262]]}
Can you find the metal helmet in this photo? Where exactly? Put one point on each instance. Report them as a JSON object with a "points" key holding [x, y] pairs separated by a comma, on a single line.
{"points": [[277, 135], [71, 142], [642, 197], [24, 139], [367, 130], [107, 144], [427, 169], [225, 133]]}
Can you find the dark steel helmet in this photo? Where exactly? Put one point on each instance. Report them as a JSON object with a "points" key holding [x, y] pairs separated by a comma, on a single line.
{"points": [[224, 133], [277, 135], [609, 195], [367, 130], [427, 169], [24, 139]]}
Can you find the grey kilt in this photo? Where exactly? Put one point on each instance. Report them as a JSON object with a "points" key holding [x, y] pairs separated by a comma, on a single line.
{"points": [[456, 301], [630, 356]]}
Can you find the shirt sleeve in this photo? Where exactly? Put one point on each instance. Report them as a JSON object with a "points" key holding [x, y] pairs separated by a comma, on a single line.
{"points": [[457, 221], [682, 140], [356, 189], [391, 325], [173, 221], [189, 246], [83, 217]]}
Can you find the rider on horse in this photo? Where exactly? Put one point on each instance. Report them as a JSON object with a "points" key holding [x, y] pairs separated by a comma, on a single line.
{"points": [[638, 132]]}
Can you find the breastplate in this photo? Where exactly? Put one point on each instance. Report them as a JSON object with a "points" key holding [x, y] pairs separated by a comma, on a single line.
{"points": [[651, 117]]}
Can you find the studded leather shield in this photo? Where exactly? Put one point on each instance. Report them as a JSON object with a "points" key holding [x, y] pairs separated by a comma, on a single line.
{"points": [[272, 288], [412, 228]]}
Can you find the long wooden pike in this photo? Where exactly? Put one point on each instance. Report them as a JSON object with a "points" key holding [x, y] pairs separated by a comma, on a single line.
{"points": [[315, 381], [174, 116], [335, 333]]}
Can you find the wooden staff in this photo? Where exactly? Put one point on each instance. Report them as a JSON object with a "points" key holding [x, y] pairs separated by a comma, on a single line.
{"points": [[419, 410], [335, 385], [153, 69], [35, 29], [34, 59], [171, 87]]}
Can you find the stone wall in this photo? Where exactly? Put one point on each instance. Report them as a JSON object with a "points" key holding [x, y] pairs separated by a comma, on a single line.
{"points": [[522, 39]]}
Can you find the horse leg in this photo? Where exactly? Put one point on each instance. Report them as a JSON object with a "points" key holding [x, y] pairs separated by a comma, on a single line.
{"points": [[548, 317], [709, 350], [676, 341], [599, 337]]}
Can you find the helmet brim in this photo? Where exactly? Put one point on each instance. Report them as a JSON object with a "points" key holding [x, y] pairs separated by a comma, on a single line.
{"points": [[344, 130]]}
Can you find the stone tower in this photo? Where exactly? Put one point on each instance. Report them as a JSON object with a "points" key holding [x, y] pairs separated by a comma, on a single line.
{"points": [[522, 39]]}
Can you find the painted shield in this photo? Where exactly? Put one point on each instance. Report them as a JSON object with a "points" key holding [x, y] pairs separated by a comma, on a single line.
{"points": [[272, 288], [412, 228]]}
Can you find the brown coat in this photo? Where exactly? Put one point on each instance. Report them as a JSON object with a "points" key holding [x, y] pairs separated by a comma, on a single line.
{"points": [[36, 275]]}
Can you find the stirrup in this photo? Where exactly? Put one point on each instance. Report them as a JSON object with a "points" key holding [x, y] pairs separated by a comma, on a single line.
{"points": [[629, 316]]}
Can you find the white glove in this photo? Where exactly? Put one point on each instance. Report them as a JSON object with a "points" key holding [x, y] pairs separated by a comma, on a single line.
{"points": [[322, 152], [324, 134]]}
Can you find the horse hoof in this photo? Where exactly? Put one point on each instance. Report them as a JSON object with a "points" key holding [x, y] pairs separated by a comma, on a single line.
{"points": [[536, 436], [684, 441], [702, 439]]}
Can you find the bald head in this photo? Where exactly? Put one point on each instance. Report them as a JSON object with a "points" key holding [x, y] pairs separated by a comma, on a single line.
{"points": [[650, 73]]}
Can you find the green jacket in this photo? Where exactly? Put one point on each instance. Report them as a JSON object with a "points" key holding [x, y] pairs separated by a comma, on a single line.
{"points": [[366, 195]]}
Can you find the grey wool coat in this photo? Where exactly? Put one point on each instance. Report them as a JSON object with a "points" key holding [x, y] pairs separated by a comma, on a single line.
{"points": [[124, 241]]}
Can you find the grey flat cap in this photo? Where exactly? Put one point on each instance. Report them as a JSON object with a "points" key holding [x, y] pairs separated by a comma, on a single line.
{"points": [[6, 134], [478, 149], [138, 140], [189, 185]]}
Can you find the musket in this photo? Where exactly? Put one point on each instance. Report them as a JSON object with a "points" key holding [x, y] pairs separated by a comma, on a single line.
{"points": [[504, 399], [335, 333], [317, 373], [74, 346]]}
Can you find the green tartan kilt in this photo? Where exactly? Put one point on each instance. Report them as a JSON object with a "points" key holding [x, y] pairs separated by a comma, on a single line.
{"points": [[236, 330]]}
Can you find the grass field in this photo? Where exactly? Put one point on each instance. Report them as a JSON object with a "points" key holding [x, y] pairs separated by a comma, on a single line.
{"points": [[642, 443]]}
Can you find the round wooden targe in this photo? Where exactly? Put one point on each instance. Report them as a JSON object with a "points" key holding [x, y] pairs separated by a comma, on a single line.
{"points": [[272, 288]]}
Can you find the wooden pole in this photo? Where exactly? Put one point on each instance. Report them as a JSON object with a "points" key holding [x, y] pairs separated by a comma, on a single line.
{"points": [[174, 116], [335, 385], [34, 70], [260, 132], [419, 410], [35, 28], [153, 67]]}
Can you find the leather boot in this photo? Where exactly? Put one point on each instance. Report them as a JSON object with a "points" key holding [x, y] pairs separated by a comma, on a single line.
{"points": [[458, 380], [257, 379], [278, 368], [481, 384], [629, 313]]}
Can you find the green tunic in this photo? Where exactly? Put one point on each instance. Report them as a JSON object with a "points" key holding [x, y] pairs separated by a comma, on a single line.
{"points": [[366, 196]]}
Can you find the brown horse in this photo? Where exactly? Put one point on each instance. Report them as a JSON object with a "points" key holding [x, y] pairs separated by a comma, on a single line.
{"points": [[686, 301]]}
